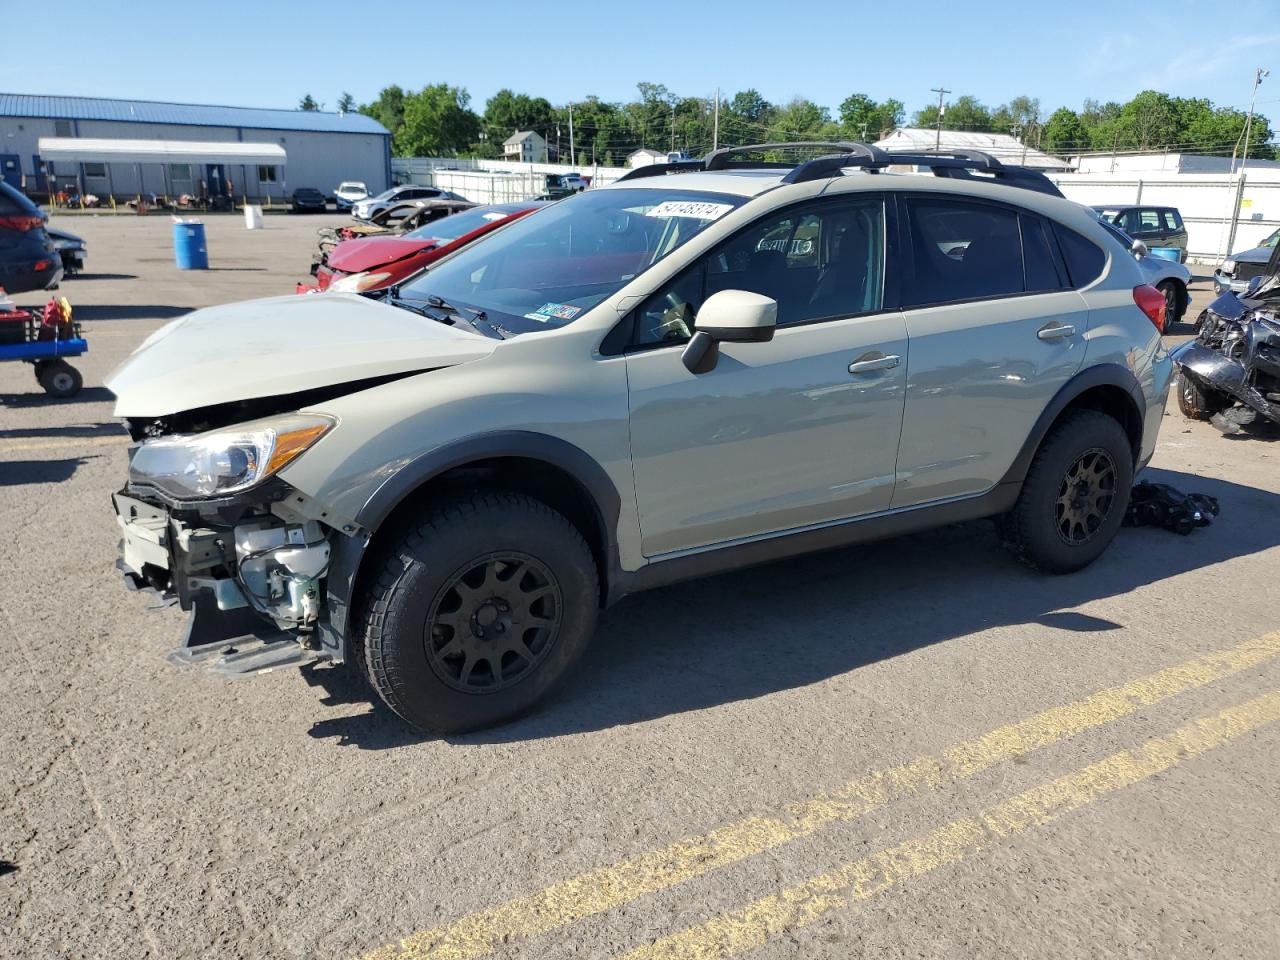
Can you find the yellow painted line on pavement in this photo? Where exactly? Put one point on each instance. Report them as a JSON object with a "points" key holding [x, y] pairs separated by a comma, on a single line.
{"points": [[749, 927], [44, 443], [611, 886]]}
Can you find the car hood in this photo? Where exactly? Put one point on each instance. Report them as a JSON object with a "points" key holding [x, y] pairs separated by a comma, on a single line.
{"points": [[1158, 268], [365, 253], [266, 348], [1256, 255]]}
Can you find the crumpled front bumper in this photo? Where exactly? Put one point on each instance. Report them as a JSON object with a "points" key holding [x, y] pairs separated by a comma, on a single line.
{"points": [[252, 575]]}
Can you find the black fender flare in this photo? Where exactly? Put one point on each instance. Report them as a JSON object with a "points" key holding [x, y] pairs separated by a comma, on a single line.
{"points": [[1101, 375], [347, 552]]}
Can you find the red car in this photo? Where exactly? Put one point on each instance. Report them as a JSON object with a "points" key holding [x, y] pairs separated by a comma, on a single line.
{"points": [[371, 263]]}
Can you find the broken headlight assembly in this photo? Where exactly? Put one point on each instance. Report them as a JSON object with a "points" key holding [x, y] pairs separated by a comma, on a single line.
{"points": [[228, 460]]}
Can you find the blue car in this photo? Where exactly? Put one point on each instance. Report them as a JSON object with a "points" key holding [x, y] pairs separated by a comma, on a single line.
{"points": [[28, 257], [1238, 269]]}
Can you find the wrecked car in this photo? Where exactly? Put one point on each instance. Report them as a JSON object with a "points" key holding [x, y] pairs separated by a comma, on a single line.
{"points": [[679, 374], [1230, 373]]}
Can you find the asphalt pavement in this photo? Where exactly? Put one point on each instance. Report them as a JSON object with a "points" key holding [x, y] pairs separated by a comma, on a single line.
{"points": [[913, 748]]}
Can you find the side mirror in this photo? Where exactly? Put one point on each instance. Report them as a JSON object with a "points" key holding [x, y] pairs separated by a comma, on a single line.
{"points": [[730, 316], [1139, 249]]}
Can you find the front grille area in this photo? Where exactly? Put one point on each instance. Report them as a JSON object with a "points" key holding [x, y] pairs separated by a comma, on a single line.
{"points": [[1247, 271]]}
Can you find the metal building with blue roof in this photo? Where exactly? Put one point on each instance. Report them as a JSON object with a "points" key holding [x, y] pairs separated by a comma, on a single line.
{"points": [[128, 147]]}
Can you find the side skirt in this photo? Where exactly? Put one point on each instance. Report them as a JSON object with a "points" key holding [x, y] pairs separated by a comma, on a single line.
{"points": [[830, 536]]}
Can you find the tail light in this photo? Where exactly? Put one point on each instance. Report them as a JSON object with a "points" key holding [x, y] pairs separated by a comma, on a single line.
{"points": [[20, 222], [1151, 302], [41, 265]]}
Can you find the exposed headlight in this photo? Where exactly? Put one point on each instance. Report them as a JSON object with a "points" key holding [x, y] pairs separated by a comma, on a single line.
{"points": [[359, 282], [222, 462], [1228, 266]]}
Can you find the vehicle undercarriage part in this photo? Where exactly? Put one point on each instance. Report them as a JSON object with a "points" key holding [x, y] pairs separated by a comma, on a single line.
{"points": [[1236, 355], [1160, 505]]}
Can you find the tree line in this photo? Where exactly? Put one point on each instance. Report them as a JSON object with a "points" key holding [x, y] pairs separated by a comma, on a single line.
{"points": [[439, 120]]}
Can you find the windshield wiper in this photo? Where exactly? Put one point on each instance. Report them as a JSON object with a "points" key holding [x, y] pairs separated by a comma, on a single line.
{"points": [[432, 302]]}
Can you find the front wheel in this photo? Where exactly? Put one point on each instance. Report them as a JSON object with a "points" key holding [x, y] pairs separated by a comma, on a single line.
{"points": [[1074, 496], [477, 610], [1198, 402]]}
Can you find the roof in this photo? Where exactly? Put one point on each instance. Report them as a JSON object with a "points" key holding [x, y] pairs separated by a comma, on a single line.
{"points": [[189, 114], [646, 152], [520, 136], [96, 150], [1000, 145]]}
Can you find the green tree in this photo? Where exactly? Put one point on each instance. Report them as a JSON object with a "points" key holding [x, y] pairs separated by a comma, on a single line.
{"points": [[864, 118], [801, 119], [964, 113], [308, 103], [388, 109], [506, 112], [744, 118], [346, 102], [1064, 133], [438, 121]]}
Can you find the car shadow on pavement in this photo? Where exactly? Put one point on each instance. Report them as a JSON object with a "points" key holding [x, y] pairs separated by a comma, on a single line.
{"points": [[78, 430], [756, 632], [18, 473], [38, 398], [141, 311]]}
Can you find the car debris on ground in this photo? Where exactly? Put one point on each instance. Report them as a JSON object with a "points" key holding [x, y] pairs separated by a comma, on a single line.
{"points": [[1160, 505]]}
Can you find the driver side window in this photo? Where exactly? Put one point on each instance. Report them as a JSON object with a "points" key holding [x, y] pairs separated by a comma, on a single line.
{"points": [[822, 260]]}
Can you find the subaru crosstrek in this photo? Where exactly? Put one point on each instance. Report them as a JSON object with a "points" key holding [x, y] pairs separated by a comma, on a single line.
{"points": [[705, 365]]}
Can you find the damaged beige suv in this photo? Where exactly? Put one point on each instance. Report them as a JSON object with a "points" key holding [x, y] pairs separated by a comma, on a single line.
{"points": [[705, 365]]}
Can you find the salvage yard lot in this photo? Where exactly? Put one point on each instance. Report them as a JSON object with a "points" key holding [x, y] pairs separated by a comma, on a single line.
{"points": [[910, 748]]}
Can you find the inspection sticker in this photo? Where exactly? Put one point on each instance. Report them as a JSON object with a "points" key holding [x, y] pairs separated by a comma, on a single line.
{"points": [[554, 311], [698, 210]]}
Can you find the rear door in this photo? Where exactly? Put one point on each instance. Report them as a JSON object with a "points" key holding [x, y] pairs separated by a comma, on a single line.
{"points": [[995, 331], [11, 170]]}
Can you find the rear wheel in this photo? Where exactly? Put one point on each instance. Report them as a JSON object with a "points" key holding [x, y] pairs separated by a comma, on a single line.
{"points": [[1074, 496], [480, 607], [1198, 402], [1174, 300], [59, 379]]}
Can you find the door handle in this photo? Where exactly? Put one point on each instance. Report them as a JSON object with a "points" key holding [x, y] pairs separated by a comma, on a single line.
{"points": [[1056, 331], [875, 363]]}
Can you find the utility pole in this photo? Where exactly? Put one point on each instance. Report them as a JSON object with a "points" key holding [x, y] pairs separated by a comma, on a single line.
{"points": [[673, 126], [573, 157], [937, 143], [715, 137], [1244, 163]]}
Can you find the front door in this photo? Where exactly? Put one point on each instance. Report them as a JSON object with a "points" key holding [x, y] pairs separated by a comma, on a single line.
{"points": [[779, 435], [995, 332], [11, 170]]}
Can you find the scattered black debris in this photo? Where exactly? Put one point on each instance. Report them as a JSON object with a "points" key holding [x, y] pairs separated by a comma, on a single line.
{"points": [[1233, 420], [1160, 505], [6, 867]]}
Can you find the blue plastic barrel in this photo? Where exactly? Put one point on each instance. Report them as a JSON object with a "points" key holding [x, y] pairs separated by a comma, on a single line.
{"points": [[1167, 253], [188, 246]]}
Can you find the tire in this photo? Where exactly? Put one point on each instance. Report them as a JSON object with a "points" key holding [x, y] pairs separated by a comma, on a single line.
{"points": [[464, 578], [60, 379], [1053, 535], [1196, 401], [1175, 301]]}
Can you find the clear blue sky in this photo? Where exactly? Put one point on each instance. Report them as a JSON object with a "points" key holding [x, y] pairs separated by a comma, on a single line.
{"points": [[269, 54]]}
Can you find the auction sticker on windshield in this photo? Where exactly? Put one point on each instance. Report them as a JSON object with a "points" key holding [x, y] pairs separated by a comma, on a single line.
{"points": [[554, 311], [696, 209]]}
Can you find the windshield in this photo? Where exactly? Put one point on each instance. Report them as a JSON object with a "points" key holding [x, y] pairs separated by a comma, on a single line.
{"points": [[545, 271], [451, 228], [352, 187], [1271, 241], [387, 194]]}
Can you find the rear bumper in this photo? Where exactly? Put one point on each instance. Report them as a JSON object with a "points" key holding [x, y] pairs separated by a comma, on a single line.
{"points": [[23, 276]]}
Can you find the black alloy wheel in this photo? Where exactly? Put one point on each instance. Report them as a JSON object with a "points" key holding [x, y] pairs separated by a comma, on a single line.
{"points": [[493, 622], [1084, 500]]}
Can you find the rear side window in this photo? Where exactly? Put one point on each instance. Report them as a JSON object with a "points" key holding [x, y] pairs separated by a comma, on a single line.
{"points": [[1084, 259], [1149, 221], [974, 251], [1172, 220]]}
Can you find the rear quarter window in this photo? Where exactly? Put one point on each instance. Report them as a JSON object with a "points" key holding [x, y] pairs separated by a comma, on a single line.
{"points": [[1083, 257]]}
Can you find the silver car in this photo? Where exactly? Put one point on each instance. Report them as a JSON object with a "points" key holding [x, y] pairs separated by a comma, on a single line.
{"points": [[678, 374]]}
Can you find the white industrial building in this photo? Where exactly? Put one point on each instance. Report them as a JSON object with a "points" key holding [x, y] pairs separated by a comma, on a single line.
{"points": [[1000, 145], [129, 147], [1171, 163]]}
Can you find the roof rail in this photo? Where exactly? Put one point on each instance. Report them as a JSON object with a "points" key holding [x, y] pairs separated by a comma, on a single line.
{"points": [[957, 164], [720, 159], [662, 169]]}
